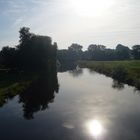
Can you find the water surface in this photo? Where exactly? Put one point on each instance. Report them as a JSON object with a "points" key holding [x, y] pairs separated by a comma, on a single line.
{"points": [[88, 106]]}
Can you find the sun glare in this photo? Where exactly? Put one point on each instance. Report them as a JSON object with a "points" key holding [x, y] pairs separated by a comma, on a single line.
{"points": [[95, 128], [91, 8]]}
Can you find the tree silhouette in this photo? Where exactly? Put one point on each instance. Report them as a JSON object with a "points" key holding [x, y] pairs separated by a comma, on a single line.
{"points": [[122, 52], [34, 52], [136, 51], [8, 57]]}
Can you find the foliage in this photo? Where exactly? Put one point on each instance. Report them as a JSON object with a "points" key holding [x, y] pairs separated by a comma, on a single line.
{"points": [[29, 70], [123, 71], [12, 84], [33, 52], [8, 57], [122, 52], [75, 47], [73, 53], [97, 52], [136, 51]]}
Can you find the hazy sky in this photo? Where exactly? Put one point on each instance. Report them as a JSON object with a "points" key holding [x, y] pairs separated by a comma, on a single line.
{"points": [[107, 22]]}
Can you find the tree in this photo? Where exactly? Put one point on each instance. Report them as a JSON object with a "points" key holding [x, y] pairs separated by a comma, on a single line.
{"points": [[33, 52], [136, 51], [110, 54], [8, 56], [75, 47], [24, 36], [96, 52], [94, 47], [122, 52], [73, 53]]}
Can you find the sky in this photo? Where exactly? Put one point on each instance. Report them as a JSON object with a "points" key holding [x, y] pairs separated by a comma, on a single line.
{"points": [[107, 22]]}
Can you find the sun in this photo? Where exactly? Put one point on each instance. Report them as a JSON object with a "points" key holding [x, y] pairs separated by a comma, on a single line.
{"points": [[91, 8]]}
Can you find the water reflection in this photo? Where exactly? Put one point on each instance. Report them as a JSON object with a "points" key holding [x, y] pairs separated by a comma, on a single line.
{"points": [[66, 66], [95, 128], [117, 85], [35, 90], [87, 108], [91, 71], [76, 72], [39, 94]]}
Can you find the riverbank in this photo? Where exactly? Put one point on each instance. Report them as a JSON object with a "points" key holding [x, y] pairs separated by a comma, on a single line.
{"points": [[124, 71], [14, 83]]}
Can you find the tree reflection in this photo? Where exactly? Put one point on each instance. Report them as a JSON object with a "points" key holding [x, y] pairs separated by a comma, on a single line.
{"points": [[35, 89], [76, 72], [117, 85], [39, 94], [66, 66], [91, 71]]}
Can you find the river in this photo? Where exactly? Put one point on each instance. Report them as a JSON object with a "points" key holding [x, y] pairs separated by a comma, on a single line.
{"points": [[88, 106]]}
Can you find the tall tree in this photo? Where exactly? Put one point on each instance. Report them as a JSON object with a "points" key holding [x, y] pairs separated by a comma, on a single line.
{"points": [[136, 51], [122, 52], [33, 51], [75, 47], [8, 56], [96, 52], [24, 36]]}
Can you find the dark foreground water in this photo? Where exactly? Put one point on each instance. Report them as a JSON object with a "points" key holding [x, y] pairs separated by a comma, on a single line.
{"points": [[89, 106]]}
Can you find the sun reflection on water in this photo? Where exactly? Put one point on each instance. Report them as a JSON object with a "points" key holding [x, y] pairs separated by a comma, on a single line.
{"points": [[95, 127]]}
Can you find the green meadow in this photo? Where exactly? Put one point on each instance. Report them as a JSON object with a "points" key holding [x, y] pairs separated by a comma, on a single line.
{"points": [[124, 71]]}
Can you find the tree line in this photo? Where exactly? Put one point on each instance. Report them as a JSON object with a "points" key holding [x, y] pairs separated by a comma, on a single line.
{"points": [[98, 53], [29, 70], [34, 52]]}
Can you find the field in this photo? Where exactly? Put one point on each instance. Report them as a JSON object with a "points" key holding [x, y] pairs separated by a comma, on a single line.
{"points": [[123, 71]]}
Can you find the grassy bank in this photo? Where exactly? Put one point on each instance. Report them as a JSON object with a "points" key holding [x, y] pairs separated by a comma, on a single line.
{"points": [[123, 71], [12, 83]]}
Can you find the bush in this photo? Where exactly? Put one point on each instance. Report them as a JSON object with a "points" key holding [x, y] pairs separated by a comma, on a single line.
{"points": [[120, 73]]}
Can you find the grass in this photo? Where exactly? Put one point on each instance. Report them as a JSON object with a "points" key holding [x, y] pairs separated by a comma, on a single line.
{"points": [[123, 71], [12, 84]]}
